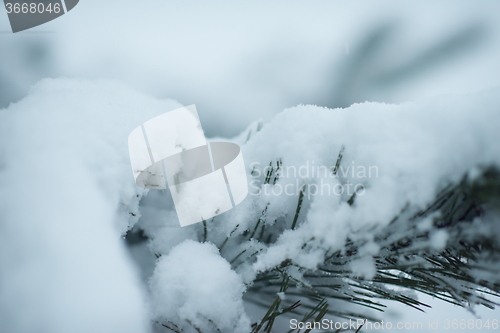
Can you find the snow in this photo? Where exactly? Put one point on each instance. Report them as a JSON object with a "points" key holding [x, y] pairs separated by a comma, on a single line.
{"points": [[438, 239], [193, 284], [416, 147], [67, 195]]}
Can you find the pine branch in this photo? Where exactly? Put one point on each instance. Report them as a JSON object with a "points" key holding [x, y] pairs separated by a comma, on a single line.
{"points": [[407, 260]]}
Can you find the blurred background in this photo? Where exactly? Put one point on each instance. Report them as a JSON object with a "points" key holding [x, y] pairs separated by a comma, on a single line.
{"points": [[243, 61]]}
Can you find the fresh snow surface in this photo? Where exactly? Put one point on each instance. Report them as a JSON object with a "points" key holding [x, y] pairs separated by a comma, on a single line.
{"points": [[414, 150], [193, 284], [67, 195]]}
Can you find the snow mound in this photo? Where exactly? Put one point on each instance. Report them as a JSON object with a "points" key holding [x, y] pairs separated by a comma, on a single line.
{"points": [[396, 154], [66, 197], [194, 285]]}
